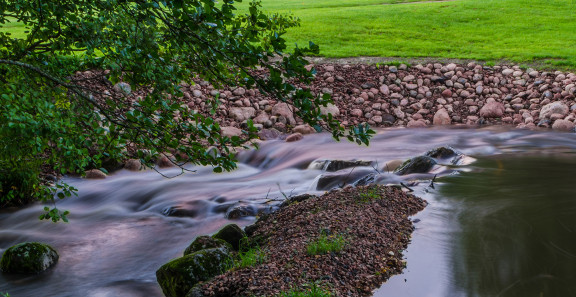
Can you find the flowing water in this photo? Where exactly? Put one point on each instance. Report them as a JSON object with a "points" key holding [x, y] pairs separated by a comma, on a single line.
{"points": [[504, 225]]}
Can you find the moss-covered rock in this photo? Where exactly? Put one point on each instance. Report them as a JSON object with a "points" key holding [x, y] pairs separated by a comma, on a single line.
{"points": [[232, 234], [178, 276], [420, 164], [28, 258], [196, 291], [206, 242]]}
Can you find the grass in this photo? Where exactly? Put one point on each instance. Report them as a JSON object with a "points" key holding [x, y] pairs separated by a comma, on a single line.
{"points": [[250, 258], [526, 32], [519, 31], [307, 291], [325, 244], [368, 194]]}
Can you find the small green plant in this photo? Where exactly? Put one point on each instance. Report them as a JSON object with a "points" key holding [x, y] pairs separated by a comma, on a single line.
{"points": [[307, 290], [325, 244], [368, 194], [4, 295], [252, 257]]}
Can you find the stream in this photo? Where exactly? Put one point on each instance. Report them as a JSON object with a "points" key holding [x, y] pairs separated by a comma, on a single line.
{"points": [[503, 225]]}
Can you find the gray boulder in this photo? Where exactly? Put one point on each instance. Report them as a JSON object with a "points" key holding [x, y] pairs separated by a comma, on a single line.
{"points": [[420, 164]]}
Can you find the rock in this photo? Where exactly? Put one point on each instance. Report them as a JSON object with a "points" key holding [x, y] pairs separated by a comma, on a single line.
{"points": [[388, 119], [296, 199], [447, 93], [385, 90], [507, 72], [28, 258], [563, 125], [123, 88], [232, 234], [261, 118], [133, 165], [206, 242], [554, 107], [240, 211], [416, 124], [420, 164], [269, 134], [442, 117], [95, 174], [443, 152], [492, 110], [177, 277], [393, 69], [335, 165], [294, 137], [304, 129], [392, 165], [231, 131], [197, 93], [330, 109], [283, 109], [239, 92], [242, 113]]}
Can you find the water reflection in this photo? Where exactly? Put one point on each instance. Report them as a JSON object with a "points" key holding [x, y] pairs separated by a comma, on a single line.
{"points": [[518, 227]]}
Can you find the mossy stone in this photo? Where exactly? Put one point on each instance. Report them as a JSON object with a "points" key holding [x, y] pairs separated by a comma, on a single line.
{"points": [[420, 164], [28, 258], [178, 276], [232, 234], [206, 242]]}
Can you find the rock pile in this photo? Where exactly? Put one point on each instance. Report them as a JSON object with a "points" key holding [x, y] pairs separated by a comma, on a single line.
{"points": [[419, 96]]}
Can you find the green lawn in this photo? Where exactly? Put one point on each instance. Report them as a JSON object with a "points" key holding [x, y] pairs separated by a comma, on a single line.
{"points": [[520, 31]]}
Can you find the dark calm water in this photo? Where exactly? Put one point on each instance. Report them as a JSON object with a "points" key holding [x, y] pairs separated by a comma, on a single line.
{"points": [[505, 225]]}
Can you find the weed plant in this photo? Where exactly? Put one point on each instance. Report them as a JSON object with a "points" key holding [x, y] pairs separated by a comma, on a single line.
{"points": [[307, 291], [325, 244]]}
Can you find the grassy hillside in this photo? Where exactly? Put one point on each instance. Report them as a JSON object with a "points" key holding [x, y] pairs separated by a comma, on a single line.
{"points": [[521, 31]]}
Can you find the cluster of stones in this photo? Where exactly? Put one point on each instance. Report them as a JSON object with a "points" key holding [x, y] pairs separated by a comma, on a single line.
{"points": [[419, 96], [204, 258]]}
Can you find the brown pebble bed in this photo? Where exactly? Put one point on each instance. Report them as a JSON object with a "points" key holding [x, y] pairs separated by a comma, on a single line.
{"points": [[374, 222]]}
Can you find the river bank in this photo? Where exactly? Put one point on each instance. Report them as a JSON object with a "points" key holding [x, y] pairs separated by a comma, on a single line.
{"points": [[402, 96]]}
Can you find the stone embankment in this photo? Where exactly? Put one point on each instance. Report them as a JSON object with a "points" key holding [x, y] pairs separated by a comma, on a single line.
{"points": [[419, 96]]}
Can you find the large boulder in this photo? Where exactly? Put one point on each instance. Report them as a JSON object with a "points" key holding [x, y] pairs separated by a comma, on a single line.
{"points": [[232, 234], [242, 113], [283, 109], [420, 164], [28, 258], [206, 242], [442, 117], [552, 108], [492, 110], [177, 277]]}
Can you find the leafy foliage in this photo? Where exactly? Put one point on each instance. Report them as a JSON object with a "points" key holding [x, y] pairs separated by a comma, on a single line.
{"points": [[53, 115]]}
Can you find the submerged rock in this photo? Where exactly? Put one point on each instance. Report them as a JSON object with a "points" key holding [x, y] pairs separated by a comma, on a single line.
{"points": [[342, 178], [443, 152], [28, 258], [232, 234], [335, 165], [177, 277], [240, 211], [206, 242], [420, 164], [296, 199]]}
